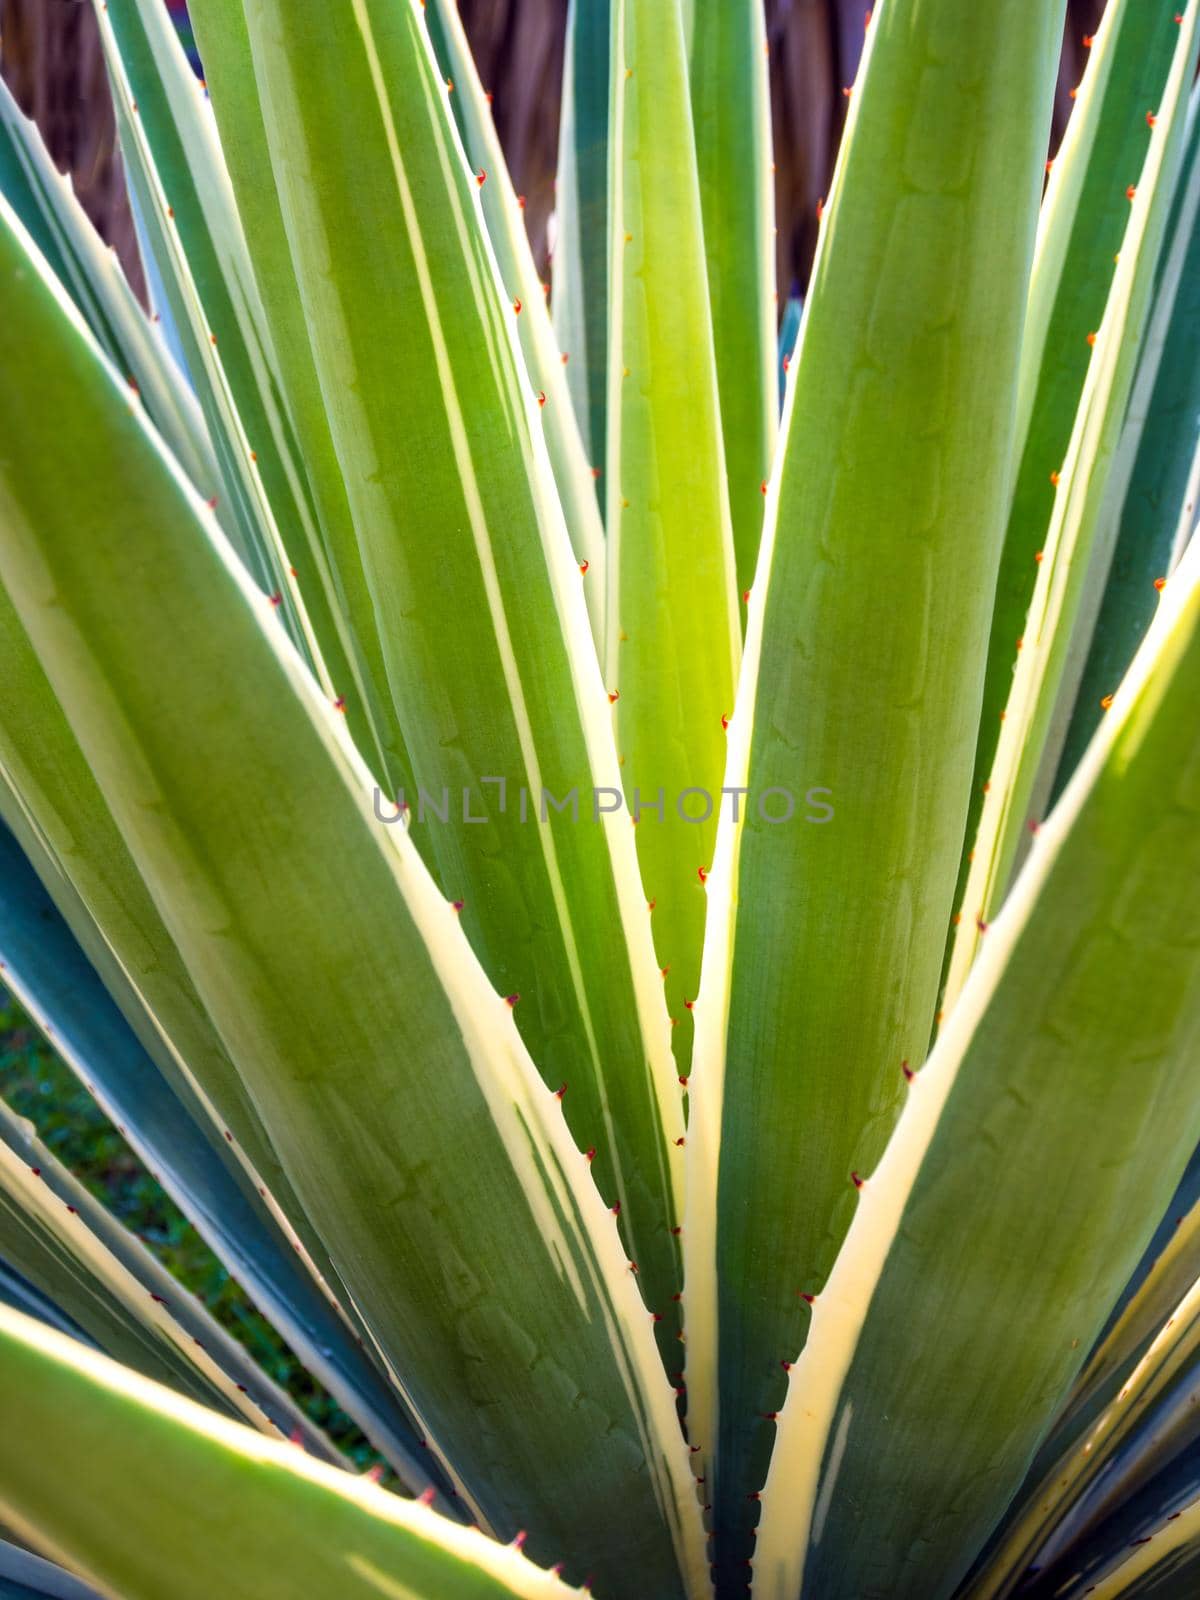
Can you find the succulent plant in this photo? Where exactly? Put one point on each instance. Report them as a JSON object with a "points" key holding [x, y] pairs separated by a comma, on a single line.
{"points": [[656, 939]]}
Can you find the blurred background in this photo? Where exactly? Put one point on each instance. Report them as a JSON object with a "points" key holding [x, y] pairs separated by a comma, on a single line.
{"points": [[50, 55]]}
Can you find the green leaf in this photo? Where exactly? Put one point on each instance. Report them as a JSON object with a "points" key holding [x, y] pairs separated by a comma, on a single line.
{"points": [[45, 202], [287, 1525], [1154, 466], [1076, 550], [338, 566], [178, 178], [857, 709], [991, 1240], [674, 638], [62, 1240], [27, 1577], [546, 364], [50, 799], [1128, 1418], [731, 112], [581, 248], [430, 1158], [1162, 1563], [176, 1138], [478, 598]]}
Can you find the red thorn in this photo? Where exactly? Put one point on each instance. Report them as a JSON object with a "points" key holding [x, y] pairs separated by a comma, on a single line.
{"points": [[982, 925], [807, 1298], [521, 201], [517, 307], [676, 1297], [450, 85], [590, 1155], [633, 1268], [1072, 93], [663, 971], [1021, 643], [1160, 584], [907, 1071], [769, 1416], [616, 1209], [754, 1496], [763, 487], [1054, 478], [787, 363], [848, 91], [277, 598], [786, 1365], [689, 1004], [1050, 165], [650, 905], [541, 397], [745, 597], [595, 472], [725, 723], [684, 1082], [211, 502], [676, 1231], [583, 566], [820, 208], [703, 874], [481, 177], [340, 703], [1106, 702], [519, 1539], [1033, 825], [1151, 119], [374, 1474], [1088, 39], [426, 1497], [510, 1000], [565, 358], [560, 1091], [656, 1316], [1040, 556], [1130, 192], [1091, 339], [613, 696], [856, 1180], [680, 1141]]}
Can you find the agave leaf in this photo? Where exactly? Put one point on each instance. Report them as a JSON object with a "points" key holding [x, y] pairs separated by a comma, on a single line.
{"points": [[674, 637], [50, 799], [1153, 494], [173, 1133], [429, 1156], [186, 206], [992, 1234], [22, 1295], [580, 261], [64, 1242], [24, 1576], [225, 50], [856, 716], [45, 202], [546, 364], [1075, 547], [288, 1524], [731, 112], [1106, 1453], [1162, 1561], [480, 607]]}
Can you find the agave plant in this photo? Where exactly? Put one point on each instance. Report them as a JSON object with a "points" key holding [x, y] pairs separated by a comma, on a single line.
{"points": [[794, 1191]]}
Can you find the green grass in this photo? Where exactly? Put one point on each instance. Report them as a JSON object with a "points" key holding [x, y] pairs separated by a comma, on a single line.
{"points": [[36, 1084]]}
